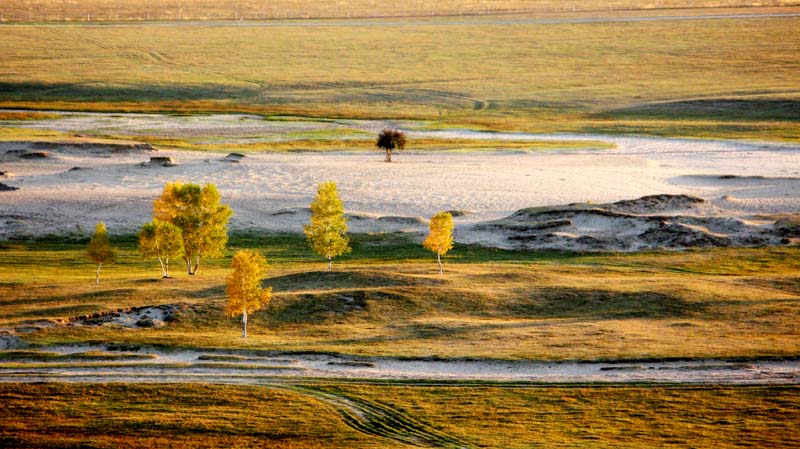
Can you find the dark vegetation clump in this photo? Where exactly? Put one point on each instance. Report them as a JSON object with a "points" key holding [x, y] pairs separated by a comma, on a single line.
{"points": [[390, 139]]}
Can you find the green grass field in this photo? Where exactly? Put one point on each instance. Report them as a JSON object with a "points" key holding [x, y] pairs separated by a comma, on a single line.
{"points": [[490, 303], [390, 416], [704, 78]]}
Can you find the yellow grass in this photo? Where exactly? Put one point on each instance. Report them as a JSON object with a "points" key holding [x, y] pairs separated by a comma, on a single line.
{"points": [[112, 10], [637, 77], [508, 417], [716, 303]]}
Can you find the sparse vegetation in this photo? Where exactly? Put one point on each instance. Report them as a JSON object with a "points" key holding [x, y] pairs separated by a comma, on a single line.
{"points": [[389, 140], [201, 219], [161, 240], [99, 250], [327, 232], [243, 286], [440, 237]]}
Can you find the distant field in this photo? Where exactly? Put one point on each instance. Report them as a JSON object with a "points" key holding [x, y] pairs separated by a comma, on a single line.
{"points": [[93, 10], [455, 416], [707, 78], [490, 303]]}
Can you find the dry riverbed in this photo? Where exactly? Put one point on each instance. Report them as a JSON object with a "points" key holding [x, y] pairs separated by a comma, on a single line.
{"points": [[744, 187]]}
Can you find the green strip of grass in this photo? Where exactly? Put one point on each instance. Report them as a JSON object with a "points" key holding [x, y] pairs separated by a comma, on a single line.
{"points": [[387, 299]]}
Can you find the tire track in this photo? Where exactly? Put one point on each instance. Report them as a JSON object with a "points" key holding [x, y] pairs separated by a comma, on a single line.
{"points": [[380, 420]]}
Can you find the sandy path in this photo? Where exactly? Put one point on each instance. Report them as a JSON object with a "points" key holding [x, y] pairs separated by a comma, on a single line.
{"points": [[245, 368]]}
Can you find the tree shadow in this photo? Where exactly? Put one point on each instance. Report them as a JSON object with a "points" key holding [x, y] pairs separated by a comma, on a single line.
{"points": [[728, 108], [139, 92], [320, 308], [330, 280], [562, 302], [93, 295], [54, 312]]}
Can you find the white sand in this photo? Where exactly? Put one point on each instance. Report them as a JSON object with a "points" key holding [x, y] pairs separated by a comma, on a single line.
{"points": [[492, 185]]}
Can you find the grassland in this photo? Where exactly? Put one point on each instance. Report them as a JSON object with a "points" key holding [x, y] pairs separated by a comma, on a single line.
{"points": [[200, 416], [490, 303], [115, 10], [705, 78]]}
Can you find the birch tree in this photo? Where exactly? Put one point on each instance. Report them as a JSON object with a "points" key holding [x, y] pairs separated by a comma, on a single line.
{"points": [[100, 250], [161, 240], [243, 286], [440, 237], [202, 220], [326, 234], [389, 139]]}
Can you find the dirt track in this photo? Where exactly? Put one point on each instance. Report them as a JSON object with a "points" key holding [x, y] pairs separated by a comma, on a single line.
{"points": [[151, 365]]}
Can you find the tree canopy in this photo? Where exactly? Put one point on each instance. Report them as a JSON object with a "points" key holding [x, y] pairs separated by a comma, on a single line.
{"points": [[243, 286], [390, 139], [326, 234], [440, 238], [100, 250], [202, 220], [162, 240]]}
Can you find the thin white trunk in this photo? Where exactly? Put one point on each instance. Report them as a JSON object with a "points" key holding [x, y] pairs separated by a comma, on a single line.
{"points": [[244, 324], [166, 271], [189, 265], [330, 263], [97, 276], [163, 271], [439, 259]]}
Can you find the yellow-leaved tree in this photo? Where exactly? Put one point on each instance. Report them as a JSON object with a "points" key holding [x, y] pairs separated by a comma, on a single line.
{"points": [[161, 240], [243, 286], [440, 238], [100, 250], [326, 234], [202, 220]]}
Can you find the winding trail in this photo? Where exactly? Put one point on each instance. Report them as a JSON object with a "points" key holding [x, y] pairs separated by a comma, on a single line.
{"points": [[315, 375], [98, 363], [381, 420]]}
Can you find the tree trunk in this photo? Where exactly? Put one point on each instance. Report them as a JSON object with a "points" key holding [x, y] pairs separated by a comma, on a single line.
{"points": [[193, 270], [244, 324], [439, 259], [330, 262], [163, 271], [97, 276], [388, 156], [196, 265], [166, 271]]}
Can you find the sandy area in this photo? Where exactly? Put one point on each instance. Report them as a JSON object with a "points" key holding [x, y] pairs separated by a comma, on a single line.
{"points": [[271, 191]]}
